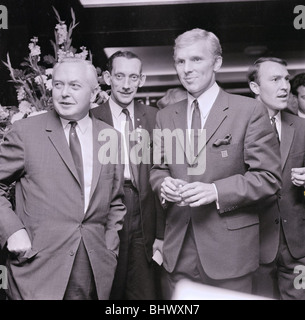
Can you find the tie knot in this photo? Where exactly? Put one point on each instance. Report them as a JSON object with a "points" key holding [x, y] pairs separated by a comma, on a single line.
{"points": [[195, 104], [126, 111], [73, 124]]}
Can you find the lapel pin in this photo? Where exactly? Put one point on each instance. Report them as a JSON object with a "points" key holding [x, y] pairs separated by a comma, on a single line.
{"points": [[224, 153]]}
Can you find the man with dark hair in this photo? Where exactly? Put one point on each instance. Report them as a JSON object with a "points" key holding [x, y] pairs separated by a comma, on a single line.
{"points": [[135, 276], [211, 194], [298, 90], [282, 220]]}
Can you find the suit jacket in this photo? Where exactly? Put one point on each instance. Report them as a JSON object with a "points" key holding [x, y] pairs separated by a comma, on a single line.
{"points": [[290, 202], [152, 216], [50, 207], [242, 160]]}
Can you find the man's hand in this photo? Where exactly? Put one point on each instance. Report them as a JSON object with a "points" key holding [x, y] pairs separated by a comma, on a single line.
{"points": [[196, 194], [170, 189], [19, 242], [298, 176]]}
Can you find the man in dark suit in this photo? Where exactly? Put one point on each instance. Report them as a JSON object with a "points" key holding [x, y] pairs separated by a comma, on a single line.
{"points": [[283, 221], [135, 278], [62, 240], [212, 226], [298, 91]]}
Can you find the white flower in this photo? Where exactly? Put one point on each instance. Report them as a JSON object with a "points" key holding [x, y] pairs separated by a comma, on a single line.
{"points": [[49, 85], [49, 71], [25, 107], [61, 32], [4, 114], [35, 49], [82, 55], [17, 116], [20, 93], [41, 79]]}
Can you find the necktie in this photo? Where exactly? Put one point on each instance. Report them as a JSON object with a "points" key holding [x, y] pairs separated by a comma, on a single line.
{"points": [[76, 152], [273, 119], [196, 124], [130, 144]]}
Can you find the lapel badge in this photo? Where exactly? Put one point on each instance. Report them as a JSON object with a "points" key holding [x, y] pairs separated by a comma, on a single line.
{"points": [[224, 154]]}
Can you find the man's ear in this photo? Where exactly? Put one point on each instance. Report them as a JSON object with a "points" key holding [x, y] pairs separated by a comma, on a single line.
{"points": [[107, 77], [217, 63], [142, 80], [254, 88]]}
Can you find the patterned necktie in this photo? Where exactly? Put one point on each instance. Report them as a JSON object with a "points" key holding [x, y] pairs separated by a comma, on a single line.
{"points": [[273, 120], [130, 143], [76, 152], [196, 124]]}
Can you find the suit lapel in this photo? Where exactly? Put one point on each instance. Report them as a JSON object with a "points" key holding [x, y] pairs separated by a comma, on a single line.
{"points": [[287, 134], [57, 136], [104, 113], [217, 115], [180, 123]]}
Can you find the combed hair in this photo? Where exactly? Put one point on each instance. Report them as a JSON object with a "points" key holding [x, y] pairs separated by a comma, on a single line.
{"points": [[296, 82], [88, 64], [253, 71], [193, 36], [118, 54]]}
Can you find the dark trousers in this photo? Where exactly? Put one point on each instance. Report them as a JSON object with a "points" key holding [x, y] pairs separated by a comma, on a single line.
{"points": [[189, 267], [134, 277], [277, 279], [286, 264], [81, 285]]}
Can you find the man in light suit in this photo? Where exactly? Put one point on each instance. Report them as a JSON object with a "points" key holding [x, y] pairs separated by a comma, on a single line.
{"points": [[62, 240], [283, 221], [142, 233], [212, 226]]}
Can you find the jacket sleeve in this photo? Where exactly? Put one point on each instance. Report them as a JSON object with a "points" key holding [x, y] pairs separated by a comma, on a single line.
{"points": [[12, 159], [262, 159]]}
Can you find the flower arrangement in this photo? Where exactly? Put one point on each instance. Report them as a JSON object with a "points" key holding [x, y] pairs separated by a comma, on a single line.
{"points": [[33, 83]]}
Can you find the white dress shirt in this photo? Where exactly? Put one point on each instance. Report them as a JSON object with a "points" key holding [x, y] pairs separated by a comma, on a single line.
{"points": [[278, 124], [205, 102], [85, 136], [119, 122]]}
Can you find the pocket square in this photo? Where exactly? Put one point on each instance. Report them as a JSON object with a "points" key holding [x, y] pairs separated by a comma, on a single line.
{"points": [[226, 140]]}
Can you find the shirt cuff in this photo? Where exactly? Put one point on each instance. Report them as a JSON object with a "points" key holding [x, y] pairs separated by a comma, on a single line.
{"points": [[217, 203]]}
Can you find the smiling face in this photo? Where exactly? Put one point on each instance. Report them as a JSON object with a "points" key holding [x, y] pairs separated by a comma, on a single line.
{"points": [[72, 90], [125, 79], [273, 87], [196, 67]]}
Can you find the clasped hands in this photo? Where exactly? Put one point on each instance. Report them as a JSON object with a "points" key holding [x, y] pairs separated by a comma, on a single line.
{"points": [[193, 194]]}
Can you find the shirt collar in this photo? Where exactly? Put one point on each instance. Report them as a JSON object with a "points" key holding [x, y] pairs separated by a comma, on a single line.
{"points": [[206, 99], [116, 110], [301, 114], [83, 123]]}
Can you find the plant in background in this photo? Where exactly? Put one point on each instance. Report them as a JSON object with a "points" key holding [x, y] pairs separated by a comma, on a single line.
{"points": [[33, 82]]}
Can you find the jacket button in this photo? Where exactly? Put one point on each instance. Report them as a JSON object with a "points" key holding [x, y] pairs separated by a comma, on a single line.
{"points": [[71, 253], [284, 220]]}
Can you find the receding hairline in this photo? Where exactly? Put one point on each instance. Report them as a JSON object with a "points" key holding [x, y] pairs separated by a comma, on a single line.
{"points": [[254, 70]]}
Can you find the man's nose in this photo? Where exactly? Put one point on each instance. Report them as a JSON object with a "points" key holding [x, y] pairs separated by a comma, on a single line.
{"points": [[65, 91], [188, 66], [126, 83]]}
